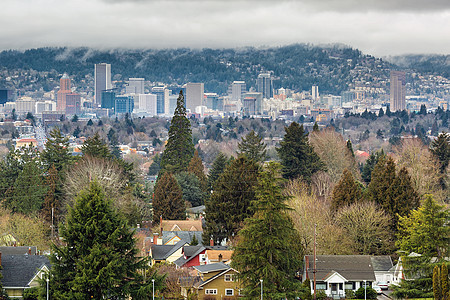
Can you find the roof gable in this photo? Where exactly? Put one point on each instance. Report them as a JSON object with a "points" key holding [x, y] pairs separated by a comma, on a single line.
{"points": [[351, 267], [19, 270]]}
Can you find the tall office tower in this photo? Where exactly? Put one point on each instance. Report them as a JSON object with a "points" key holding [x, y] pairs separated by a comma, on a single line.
{"points": [[25, 105], [264, 85], [5, 95], [162, 99], [64, 89], [148, 104], [108, 99], [398, 91], [237, 90], [315, 92], [73, 104], [258, 109], [194, 95], [135, 86], [102, 81], [124, 104]]}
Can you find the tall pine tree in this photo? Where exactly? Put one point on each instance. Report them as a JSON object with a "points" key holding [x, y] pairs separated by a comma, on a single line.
{"points": [[346, 192], [268, 247], [230, 201], [366, 172], [218, 166], [168, 200], [57, 152], [179, 148], [253, 147], [297, 155], [99, 257], [196, 167]]}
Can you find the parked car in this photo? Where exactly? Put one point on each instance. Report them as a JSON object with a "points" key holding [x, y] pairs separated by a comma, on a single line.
{"points": [[383, 285], [377, 289]]}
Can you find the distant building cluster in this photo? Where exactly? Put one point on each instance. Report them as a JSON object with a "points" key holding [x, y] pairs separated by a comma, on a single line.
{"points": [[259, 98]]}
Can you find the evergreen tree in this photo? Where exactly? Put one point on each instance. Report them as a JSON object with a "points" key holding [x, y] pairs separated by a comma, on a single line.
{"points": [[229, 204], [100, 123], [316, 127], [168, 199], [253, 147], [296, 154], [191, 188], [381, 179], [388, 111], [441, 150], [444, 282], [90, 123], [155, 166], [95, 147], [267, 247], [196, 168], [76, 132], [56, 152], [51, 199], [350, 147], [179, 148], [381, 112], [75, 118], [370, 164], [99, 259], [437, 283], [346, 192], [218, 166]]}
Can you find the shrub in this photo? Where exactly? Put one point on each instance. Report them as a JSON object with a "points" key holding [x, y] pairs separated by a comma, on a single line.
{"points": [[350, 294], [370, 293]]}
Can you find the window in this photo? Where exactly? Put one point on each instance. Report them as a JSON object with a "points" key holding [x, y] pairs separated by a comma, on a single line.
{"points": [[229, 292], [350, 285], [229, 277], [321, 285], [211, 292]]}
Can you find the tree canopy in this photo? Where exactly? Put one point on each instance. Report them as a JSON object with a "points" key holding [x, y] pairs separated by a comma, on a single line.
{"points": [[253, 147]]}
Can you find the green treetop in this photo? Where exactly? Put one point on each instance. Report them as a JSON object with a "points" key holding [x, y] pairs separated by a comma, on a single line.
{"points": [[382, 177], [196, 168], [253, 147], [230, 201], [179, 148], [370, 164], [297, 156], [96, 147], [56, 152], [168, 200], [218, 166], [268, 247], [346, 192], [99, 257], [441, 150]]}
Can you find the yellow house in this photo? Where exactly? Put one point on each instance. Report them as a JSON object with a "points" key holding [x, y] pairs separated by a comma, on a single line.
{"points": [[217, 282]]}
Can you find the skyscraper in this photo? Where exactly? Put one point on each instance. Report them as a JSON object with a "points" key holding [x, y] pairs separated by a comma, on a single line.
{"points": [[162, 99], [398, 91], [315, 92], [64, 89], [194, 95], [73, 104], [264, 85], [236, 90], [102, 80], [135, 86]]}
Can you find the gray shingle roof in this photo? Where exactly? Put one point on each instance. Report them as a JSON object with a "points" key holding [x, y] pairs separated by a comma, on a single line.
{"points": [[186, 236], [352, 267], [18, 270], [162, 252], [21, 250], [212, 267], [381, 263], [190, 252]]}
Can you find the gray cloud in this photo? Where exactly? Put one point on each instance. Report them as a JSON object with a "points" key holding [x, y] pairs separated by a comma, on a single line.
{"points": [[235, 23]]}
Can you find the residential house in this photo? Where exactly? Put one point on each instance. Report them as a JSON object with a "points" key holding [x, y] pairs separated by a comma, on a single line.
{"points": [[214, 281], [19, 250], [383, 268], [218, 254], [166, 253], [22, 272], [173, 237], [337, 273], [197, 212], [201, 255], [180, 225]]}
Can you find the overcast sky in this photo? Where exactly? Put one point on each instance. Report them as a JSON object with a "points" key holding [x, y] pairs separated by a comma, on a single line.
{"points": [[378, 27]]}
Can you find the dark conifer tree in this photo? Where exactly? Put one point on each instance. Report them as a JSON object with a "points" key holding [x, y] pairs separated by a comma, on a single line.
{"points": [[268, 247], [95, 147], [381, 112], [370, 164], [99, 257], [297, 155], [230, 201], [179, 149], [316, 127], [56, 152], [346, 192], [350, 147], [168, 200], [441, 150], [219, 165], [382, 177], [253, 147], [196, 167]]}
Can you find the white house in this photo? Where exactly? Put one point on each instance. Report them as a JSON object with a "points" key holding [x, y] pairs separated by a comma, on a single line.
{"points": [[337, 273]]}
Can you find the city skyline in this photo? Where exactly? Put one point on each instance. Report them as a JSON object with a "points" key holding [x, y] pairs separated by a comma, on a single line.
{"points": [[378, 28]]}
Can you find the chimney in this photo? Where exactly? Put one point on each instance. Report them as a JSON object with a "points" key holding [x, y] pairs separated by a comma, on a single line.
{"points": [[138, 225], [29, 250], [155, 239], [211, 242], [220, 257]]}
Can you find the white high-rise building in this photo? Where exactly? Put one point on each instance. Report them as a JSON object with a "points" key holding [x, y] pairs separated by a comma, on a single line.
{"points": [[194, 95], [135, 86], [102, 80], [236, 90], [315, 92], [147, 104]]}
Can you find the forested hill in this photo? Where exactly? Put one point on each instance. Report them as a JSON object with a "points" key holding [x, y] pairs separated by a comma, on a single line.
{"points": [[298, 67]]}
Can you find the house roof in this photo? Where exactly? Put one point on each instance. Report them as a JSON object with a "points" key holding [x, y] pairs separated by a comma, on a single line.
{"points": [[19, 270], [213, 255], [351, 267], [162, 252], [189, 252], [181, 225], [212, 267], [196, 210], [20, 250], [381, 263], [186, 236], [202, 283]]}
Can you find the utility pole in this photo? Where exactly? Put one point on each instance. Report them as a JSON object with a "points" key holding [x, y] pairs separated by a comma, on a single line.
{"points": [[314, 258]]}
